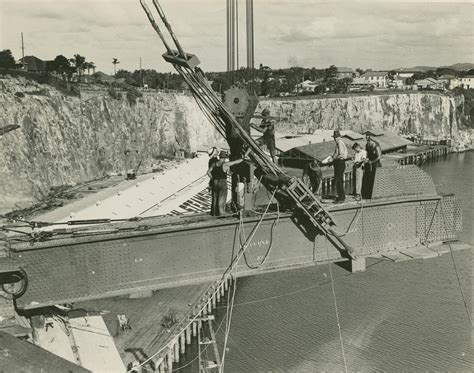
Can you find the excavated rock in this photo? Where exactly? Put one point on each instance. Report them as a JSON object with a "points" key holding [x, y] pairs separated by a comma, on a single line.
{"points": [[427, 114], [68, 140]]}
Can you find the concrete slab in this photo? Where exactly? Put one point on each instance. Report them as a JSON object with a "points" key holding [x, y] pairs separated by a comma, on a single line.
{"points": [[55, 340], [420, 252], [95, 346], [396, 256], [149, 195]]}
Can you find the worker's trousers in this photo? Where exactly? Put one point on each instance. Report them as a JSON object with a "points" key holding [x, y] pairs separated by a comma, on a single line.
{"points": [[357, 175], [339, 168], [219, 196]]}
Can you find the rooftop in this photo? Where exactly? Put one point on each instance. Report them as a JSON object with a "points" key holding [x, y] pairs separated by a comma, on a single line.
{"points": [[375, 73]]}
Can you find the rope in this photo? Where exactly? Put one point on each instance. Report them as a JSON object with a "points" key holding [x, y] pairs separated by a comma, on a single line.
{"points": [[227, 273], [335, 307], [270, 246], [456, 269], [228, 323]]}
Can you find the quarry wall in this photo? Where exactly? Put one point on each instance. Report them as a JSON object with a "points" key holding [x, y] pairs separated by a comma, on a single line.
{"points": [[68, 140], [427, 114], [65, 140]]}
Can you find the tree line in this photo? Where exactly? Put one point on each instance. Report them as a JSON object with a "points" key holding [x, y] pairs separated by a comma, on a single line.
{"points": [[62, 66]]}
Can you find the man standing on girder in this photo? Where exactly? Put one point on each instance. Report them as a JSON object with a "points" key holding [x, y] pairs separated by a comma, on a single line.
{"points": [[374, 154], [218, 173], [268, 128], [213, 159], [339, 162]]}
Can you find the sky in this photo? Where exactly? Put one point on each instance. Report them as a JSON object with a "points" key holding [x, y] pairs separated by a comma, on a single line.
{"points": [[380, 35]]}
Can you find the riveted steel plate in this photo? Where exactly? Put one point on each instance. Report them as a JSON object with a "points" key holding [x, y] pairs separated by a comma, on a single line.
{"points": [[439, 221], [395, 181], [125, 262]]}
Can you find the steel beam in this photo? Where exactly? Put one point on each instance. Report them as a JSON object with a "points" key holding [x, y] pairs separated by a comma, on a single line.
{"points": [[138, 256]]}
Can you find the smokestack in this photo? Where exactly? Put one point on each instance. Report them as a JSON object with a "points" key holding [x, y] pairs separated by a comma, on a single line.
{"points": [[249, 29]]}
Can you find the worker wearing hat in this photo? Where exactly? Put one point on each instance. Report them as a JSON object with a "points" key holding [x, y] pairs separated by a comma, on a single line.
{"points": [[213, 159], [268, 128], [218, 174], [360, 157], [339, 162], [374, 154]]}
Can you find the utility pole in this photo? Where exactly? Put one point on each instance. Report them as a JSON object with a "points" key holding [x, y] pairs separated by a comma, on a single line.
{"points": [[141, 74], [22, 51]]}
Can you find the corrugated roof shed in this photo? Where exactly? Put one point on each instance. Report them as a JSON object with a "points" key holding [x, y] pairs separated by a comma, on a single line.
{"points": [[33, 63], [375, 132], [388, 141]]}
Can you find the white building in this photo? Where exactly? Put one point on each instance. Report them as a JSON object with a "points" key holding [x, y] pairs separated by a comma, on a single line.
{"points": [[378, 79], [467, 82], [306, 86]]}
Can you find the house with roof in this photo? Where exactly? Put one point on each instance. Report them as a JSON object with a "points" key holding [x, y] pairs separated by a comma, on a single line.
{"points": [[344, 72], [359, 84], [33, 64], [377, 79], [429, 83], [306, 86], [467, 82], [406, 73]]}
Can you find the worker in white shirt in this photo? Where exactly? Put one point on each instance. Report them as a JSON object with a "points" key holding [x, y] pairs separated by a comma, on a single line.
{"points": [[360, 158], [339, 162]]}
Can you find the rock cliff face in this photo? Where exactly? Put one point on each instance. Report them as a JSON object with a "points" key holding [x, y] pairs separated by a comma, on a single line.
{"points": [[427, 114], [65, 140]]}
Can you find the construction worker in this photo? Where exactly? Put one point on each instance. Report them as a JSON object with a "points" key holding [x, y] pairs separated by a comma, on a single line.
{"points": [[218, 174], [313, 176], [360, 158], [213, 158], [374, 154], [267, 126], [339, 162]]}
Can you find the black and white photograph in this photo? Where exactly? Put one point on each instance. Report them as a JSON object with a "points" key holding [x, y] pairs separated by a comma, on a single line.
{"points": [[236, 186]]}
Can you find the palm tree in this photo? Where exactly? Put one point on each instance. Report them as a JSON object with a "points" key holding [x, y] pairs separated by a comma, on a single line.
{"points": [[89, 66], [115, 62], [79, 63], [92, 66]]}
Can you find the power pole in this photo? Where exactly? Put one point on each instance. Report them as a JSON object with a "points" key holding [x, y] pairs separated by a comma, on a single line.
{"points": [[22, 52], [141, 74]]}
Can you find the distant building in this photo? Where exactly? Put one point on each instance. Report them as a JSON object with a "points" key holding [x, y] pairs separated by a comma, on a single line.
{"points": [[467, 82], [453, 83], [406, 73], [429, 83], [344, 72], [359, 84], [306, 86], [378, 79], [398, 82], [33, 64]]}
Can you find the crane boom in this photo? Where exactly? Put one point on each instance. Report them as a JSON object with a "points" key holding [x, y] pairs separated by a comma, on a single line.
{"points": [[222, 119]]}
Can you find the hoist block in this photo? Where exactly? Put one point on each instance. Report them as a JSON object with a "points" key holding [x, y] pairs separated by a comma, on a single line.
{"points": [[191, 61]]}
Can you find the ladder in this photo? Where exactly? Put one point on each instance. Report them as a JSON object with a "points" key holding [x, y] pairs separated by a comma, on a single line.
{"points": [[223, 120]]}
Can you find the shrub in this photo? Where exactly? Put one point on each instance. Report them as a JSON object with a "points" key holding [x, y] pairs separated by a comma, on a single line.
{"points": [[132, 95], [114, 94]]}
